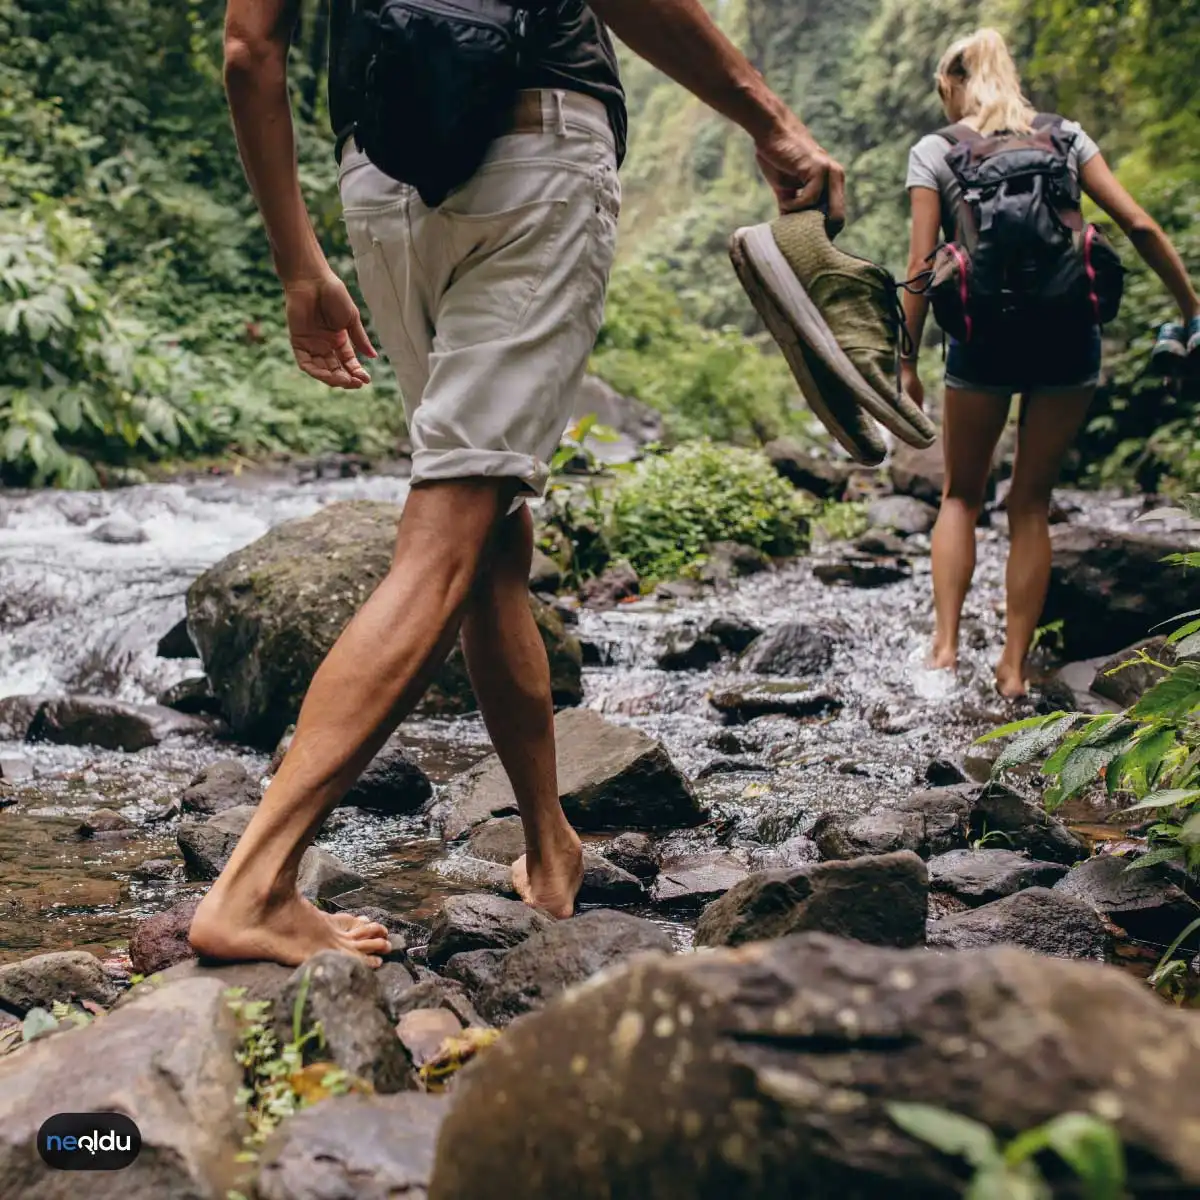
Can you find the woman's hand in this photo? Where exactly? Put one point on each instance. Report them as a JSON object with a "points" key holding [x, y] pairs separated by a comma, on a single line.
{"points": [[910, 381]]}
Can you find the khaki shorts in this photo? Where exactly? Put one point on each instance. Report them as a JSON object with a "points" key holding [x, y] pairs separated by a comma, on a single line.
{"points": [[488, 306]]}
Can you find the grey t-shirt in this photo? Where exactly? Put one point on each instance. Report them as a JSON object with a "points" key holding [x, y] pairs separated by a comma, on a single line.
{"points": [[927, 168]]}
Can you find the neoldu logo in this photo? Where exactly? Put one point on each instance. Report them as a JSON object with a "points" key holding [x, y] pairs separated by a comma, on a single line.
{"points": [[103, 1141]]}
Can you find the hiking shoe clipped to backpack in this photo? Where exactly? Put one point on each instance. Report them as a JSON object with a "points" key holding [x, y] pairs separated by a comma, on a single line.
{"points": [[1170, 348], [837, 320]]}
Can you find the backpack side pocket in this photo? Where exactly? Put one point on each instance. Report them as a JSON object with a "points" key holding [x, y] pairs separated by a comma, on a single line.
{"points": [[949, 291]]}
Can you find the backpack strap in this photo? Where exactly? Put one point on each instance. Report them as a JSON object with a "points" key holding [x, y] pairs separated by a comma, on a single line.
{"points": [[1050, 121], [958, 133]]}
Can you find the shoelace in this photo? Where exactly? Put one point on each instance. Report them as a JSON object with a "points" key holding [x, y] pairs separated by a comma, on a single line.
{"points": [[918, 285]]}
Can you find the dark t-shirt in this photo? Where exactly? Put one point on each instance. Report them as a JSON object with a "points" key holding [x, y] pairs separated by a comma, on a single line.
{"points": [[578, 56]]}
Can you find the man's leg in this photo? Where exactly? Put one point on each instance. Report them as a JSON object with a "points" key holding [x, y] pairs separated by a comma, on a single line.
{"points": [[511, 676], [372, 678]]}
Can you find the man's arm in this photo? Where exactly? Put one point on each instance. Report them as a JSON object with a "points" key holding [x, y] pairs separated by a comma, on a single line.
{"points": [[323, 320], [681, 39]]}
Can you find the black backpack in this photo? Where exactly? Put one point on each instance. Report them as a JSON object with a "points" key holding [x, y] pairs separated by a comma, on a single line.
{"points": [[1022, 257]]}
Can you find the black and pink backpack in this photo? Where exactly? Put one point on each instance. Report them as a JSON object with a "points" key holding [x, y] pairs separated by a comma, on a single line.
{"points": [[1022, 254]]}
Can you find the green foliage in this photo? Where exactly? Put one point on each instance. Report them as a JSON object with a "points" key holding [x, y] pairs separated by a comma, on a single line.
{"points": [[842, 521], [1090, 1147]]}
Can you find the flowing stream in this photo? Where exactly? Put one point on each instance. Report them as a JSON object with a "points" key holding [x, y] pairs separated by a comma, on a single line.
{"points": [[79, 614]]}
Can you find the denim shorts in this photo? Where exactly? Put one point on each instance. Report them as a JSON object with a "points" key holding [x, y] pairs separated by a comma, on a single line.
{"points": [[1058, 360]]}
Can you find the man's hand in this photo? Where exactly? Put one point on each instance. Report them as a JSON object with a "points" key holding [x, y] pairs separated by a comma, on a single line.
{"points": [[326, 330], [802, 175], [910, 381]]}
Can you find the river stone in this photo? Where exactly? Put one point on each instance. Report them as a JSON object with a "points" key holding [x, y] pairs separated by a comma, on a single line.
{"points": [[608, 776], [793, 648], [206, 847], [177, 642], [433, 992], [1125, 685], [823, 477], [614, 584], [265, 617], [1043, 920], [726, 561], [340, 991], [121, 529], [979, 876], [354, 1148], [862, 571], [733, 633], [635, 853], [788, 699], [110, 724], [161, 941], [158, 870], [193, 696], [905, 515], [882, 900], [881, 543], [167, 1061], [688, 649], [423, 1031], [481, 923], [919, 473], [40, 981], [1145, 901], [568, 952], [1026, 825], [766, 1072], [103, 821], [545, 575], [794, 851], [474, 970], [392, 784], [1120, 581], [687, 883], [219, 787]]}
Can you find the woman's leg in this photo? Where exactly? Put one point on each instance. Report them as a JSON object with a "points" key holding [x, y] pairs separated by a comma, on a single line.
{"points": [[971, 426], [1049, 425]]}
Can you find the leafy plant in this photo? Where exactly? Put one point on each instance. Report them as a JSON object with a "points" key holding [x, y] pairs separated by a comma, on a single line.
{"points": [[1090, 1147], [842, 521]]}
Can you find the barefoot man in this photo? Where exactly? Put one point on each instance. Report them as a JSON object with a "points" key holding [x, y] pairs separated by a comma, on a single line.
{"points": [[487, 306]]}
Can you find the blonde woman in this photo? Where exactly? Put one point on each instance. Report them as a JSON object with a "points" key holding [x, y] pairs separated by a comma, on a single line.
{"points": [[1053, 363]]}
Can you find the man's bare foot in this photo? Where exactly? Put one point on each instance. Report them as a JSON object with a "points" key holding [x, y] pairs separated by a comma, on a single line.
{"points": [[943, 658], [552, 885], [1011, 682], [288, 930]]}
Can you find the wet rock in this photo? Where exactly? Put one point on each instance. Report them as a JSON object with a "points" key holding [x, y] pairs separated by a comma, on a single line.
{"points": [[794, 852], [1023, 825], [680, 589], [726, 561], [110, 724], [261, 981], [392, 784], [919, 473], [566, 953], [478, 874], [794, 648], [863, 572], [206, 847], [423, 1031], [688, 883], [158, 870], [1039, 919], [635, 853], [366, 1147], [881, 543], [481, 923], [618, 582], [40, 981], [729, 766], [167, 1061], [265, 617], [474, 970], [436, 993], [905, 515], [192, 696], [1145, 901], [784, 698], [731, 741], [340, 991], [823, 477], [944, 772], [177, 642], [500, 840], [119, 530], [17, 714], [734, 633], [104, 821], [768, 1071], [980, 876], [219, 787], [545, 575], [1125, 684], [1120, 580], [14, 770], [881, 900], [688, 650], [608, 776], [161, 941]]}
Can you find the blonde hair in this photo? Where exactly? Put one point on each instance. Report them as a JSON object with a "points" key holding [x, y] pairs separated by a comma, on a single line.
{"points": [[991, 84]]}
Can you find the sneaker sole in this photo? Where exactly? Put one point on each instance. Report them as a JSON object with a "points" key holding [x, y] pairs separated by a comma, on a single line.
{"points": [[1168, 357], [771, 278], [856, 433]]}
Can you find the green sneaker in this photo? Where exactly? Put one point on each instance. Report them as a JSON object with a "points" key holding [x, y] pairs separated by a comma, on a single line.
{"points": [[837, 320]]}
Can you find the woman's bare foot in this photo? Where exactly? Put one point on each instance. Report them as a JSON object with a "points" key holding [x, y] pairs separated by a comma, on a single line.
{"points": [[552, 884], [288, 930], [943, 658], [1011, 682]]}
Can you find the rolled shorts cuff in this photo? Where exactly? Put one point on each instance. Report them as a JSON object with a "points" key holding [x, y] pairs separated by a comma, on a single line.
{"points": [[1009, 389], [439, 466]]}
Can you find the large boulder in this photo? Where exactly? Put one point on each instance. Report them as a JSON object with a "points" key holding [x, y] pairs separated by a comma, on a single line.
{"points": [[167, 1060], [392, 784], [219, 787], [824, 477], [881, 900], [609, 776], [905, 515], [366, 1147], [919, 473], [1120, 581], [110, 724], [265, 617], [767, 1071], [791, 649], [481, 923], [45, 979], [980, 876]]}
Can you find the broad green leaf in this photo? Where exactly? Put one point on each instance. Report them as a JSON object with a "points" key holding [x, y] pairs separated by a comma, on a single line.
{"points": [[1170, 798], [1182, 632], [37, 1022], [1017, 726], [1170, 951], [1171, 698], [1139, 765], [1033, 742], [1189, 834], [1002, 1182], [1092, 1149], [1161, 854], [947, 1131]]}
